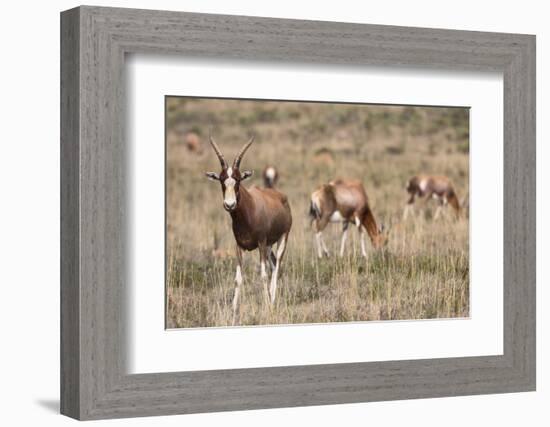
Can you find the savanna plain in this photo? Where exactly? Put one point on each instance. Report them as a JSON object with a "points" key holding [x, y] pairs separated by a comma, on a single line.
{"points": [[421, 273]]}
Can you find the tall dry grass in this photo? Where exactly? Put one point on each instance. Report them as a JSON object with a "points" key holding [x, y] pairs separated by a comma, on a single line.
{"points": [[422, 273]]}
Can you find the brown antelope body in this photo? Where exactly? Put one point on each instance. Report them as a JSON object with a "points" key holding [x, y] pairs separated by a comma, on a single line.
{"points": [[260, 218], [343, 201], [270, 176], [432, 186]]}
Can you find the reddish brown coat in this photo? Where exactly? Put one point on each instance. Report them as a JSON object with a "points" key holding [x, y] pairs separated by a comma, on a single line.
{"points": [[345, 200], [260, 218], [433, 186], [261, 215]]}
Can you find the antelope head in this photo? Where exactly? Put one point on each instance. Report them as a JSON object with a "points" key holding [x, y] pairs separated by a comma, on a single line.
{"points": [[381, 240], [230, 177]]}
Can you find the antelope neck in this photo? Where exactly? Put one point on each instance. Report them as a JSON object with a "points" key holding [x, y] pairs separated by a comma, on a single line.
{"points": [[245, 203]]}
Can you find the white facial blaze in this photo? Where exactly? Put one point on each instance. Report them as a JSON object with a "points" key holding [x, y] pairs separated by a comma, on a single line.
{"points": [[229, 197]]}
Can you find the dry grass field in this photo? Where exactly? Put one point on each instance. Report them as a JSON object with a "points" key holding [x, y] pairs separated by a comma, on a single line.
{"points": [[423, 272]]}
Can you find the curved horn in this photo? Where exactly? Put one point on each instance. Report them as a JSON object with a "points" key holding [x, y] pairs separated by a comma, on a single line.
{"points": [[218, 152], [237, 161]]}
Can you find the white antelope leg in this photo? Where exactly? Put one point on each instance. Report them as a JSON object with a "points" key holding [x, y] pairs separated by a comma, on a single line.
{"points": [[407, 210], [344, 237], [440, 205], [321, 246], [263, 275], [281, 246], [318, 244], [238, 283], [325, 249], [263, 271], [362, 238], [270, 258]]}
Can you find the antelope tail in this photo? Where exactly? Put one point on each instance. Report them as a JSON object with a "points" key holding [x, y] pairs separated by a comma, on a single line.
{"points": [[314, 210]]}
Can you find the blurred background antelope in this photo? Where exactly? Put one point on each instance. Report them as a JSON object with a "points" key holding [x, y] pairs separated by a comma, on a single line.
{"points": [[420, 272]]}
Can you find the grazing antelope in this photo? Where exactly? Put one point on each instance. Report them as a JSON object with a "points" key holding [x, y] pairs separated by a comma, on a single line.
{"points": [[270, 176], [344, 201], [432, 186], [260, 218]]}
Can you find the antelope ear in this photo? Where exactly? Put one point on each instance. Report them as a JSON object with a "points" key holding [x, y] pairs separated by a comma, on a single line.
{"points": [[246, 174], [212, 176]]}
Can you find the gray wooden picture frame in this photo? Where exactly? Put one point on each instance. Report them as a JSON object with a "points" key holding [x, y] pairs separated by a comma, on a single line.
{"points": [[94, 41]]}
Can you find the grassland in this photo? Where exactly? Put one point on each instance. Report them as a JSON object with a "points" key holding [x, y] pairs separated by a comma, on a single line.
{"points": [[423, 272]]}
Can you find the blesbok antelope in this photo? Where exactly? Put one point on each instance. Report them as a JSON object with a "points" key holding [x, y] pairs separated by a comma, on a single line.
{"points": [[432, 186], [344, 201], [260, 218], [270, 176]]}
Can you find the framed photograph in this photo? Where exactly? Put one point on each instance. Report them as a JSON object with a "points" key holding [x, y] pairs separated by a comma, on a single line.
{"points": [[261, 213], [297, 202]]}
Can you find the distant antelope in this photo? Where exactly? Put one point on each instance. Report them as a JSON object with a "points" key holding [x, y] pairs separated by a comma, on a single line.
{"points": [[270, 176], [344, 201], [193, 142], [261, 217], [432, 186]]}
